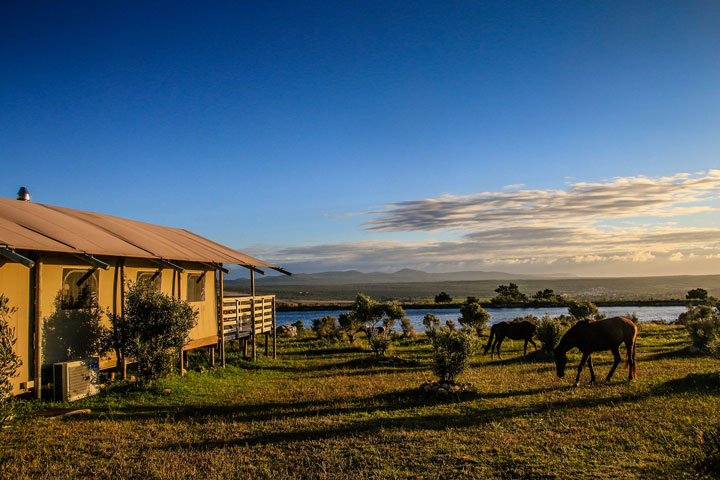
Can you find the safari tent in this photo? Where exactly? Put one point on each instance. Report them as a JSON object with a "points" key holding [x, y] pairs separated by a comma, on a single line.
{"points": [[52, 259]]}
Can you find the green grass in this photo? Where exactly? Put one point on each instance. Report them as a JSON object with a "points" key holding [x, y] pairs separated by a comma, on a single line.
{"points": [[332, 411]]}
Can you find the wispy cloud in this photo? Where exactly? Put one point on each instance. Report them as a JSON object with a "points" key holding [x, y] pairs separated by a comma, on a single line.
{"points": [[620, 198], [576, 228]]}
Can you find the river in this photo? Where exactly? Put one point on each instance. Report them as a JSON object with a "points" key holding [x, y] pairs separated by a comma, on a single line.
{"points": [[644, 314]]}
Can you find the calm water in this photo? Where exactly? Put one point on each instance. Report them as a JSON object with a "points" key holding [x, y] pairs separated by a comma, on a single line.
{"points": [[645, 314]]}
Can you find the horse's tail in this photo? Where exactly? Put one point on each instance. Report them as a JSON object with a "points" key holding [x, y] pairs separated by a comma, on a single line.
{"points": [[490, 340], [630, 357]]}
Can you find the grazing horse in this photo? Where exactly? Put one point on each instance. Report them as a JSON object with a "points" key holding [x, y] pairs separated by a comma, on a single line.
{"points": [[370, 331], [513, 330], [590, 336]]}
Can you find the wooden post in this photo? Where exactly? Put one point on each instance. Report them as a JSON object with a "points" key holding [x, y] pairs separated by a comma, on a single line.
{"points": [[274, 332], [252, 315], [122, 310], [37, 360], [262, 316], [222, 319], [182, 362], [212, 356], [252, 283]]}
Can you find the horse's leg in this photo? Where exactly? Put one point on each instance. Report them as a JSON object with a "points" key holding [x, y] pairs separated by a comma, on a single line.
{"points": [[499, 344], [582, 362], [525, 348], [630, 347], [592, 370], [533, 343], [616, 362]]}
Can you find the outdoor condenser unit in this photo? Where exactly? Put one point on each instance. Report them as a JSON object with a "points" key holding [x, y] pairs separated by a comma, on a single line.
{"points": [[76, 380]]}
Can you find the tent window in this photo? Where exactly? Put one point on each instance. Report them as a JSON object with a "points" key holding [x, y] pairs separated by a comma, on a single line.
{"points": [[196, 287], [153, 278], [79, 288]]}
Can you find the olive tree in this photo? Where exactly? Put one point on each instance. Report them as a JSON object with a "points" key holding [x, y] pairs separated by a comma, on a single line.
{"points": [[153, 329], [9, 360]]}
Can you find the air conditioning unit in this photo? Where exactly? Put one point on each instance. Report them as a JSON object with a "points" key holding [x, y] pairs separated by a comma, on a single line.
{"points": [[76, 380]]}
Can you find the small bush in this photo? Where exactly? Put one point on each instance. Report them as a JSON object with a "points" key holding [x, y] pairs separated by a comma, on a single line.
{"points": [[299, 325], [472, 315], [9, 360], [549, 332], [703, 326], [379, 343], [452, 352], [431, 323], [327, 327], [408, 329], [707, 463], [153, 329], [581, 310], [527, 318], [450, 324]]}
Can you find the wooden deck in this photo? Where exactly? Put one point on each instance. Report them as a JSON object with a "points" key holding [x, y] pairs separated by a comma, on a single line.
{"points": [[244, 315]]}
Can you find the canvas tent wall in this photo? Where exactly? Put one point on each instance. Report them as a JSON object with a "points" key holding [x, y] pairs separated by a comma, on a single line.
{"points": [[68, 250]]}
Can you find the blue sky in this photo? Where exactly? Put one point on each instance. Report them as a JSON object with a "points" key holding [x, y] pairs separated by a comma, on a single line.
{"points": [[264, 125]]}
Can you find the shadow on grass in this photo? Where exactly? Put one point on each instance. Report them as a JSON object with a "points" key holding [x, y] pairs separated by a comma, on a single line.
{"points": [[532, 357], [441, 421], [681, 353]]}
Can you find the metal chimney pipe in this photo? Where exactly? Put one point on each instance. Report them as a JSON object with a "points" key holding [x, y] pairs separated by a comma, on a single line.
{"points": [[23, 194]]}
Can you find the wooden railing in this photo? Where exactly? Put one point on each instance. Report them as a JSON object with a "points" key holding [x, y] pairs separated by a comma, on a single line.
{"points": [[243, 315]]}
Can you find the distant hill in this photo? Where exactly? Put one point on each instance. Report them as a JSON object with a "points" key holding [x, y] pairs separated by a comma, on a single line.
{"points": [[354, 277]]}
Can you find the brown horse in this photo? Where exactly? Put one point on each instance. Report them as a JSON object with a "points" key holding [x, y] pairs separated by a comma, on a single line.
{"points": [[590, 336], [513, 330]]}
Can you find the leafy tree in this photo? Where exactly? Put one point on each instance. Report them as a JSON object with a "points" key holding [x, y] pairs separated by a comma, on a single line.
{"points": [[580, 310], [349, 324], [472, 315], [509, 293], [154, 327], [366, 310], [443, 297], [452, 352], [392, 312], [379, 343], [697, 294], [472, 299], [431, 323], [9, 360], [547, 294]]}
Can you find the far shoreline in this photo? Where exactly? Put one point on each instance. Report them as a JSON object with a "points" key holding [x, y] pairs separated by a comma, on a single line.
{"points": [[336, 306]]}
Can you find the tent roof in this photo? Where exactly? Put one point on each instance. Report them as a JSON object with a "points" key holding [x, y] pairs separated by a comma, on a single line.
{"points": [[34, 226]]}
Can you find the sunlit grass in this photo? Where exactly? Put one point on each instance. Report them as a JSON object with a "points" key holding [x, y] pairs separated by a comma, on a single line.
{"points": [[333, 411]]}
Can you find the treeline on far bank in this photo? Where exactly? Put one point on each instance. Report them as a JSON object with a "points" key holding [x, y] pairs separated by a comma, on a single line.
{"points": [[510, 296]]}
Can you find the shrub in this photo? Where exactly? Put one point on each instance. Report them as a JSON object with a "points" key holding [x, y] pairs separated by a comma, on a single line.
{"points": [[452, 352], [443, 297], [72, 334], [707, 463], [349, 324], [299, 325], [472, 299], [703, 326], [326, 327], [472, 315], [450, 324], [9, 360], [431, 323], [154, 327], [407, 327], [379, 342], [581, 310], [697, 294], [549, 332]]}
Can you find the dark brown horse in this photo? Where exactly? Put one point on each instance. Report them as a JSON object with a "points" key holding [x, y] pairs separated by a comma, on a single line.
{"points": [[513, 330], [590, 336]]}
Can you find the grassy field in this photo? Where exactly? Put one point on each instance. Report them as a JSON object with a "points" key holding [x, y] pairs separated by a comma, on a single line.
{"points": [[332, 411]]}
